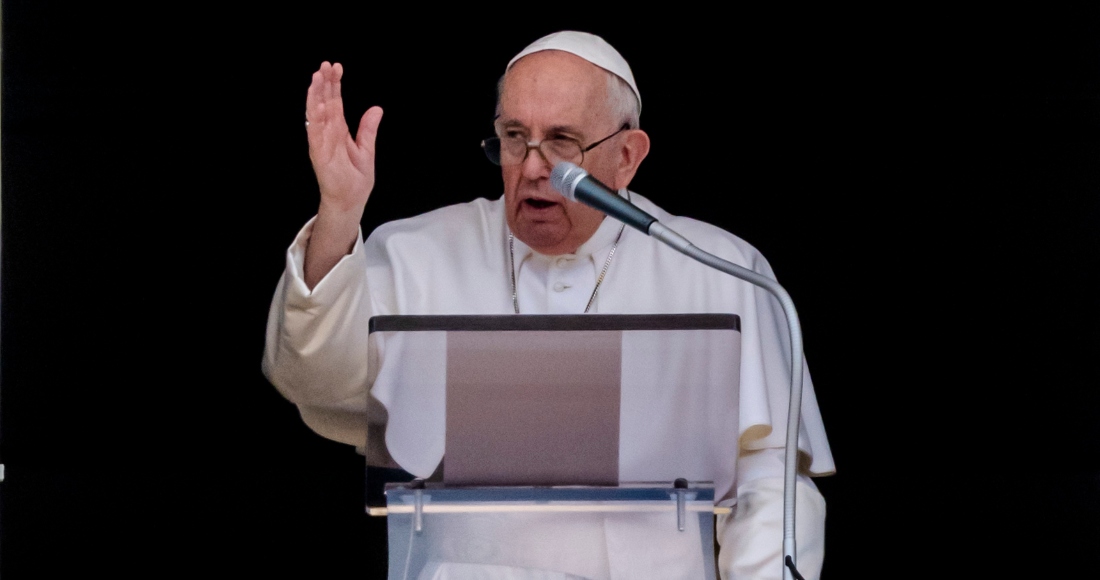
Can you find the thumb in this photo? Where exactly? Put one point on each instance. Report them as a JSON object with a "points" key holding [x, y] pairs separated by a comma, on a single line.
{"points": [[368, 129]]}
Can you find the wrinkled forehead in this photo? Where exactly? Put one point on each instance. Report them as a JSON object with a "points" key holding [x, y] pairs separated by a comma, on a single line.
{"points": [[554, 88]]}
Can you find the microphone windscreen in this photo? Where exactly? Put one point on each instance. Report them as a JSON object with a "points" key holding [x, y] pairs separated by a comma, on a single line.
{"points": [[564, 178]]}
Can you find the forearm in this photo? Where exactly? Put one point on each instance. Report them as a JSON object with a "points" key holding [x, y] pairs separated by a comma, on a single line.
{"points": [[334, 235]]}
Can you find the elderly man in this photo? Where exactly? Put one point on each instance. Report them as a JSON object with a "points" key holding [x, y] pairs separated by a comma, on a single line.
{"points": [[567, 97]]}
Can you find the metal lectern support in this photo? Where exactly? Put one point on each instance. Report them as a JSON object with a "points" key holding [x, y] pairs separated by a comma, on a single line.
{"points": [[433, 526]]}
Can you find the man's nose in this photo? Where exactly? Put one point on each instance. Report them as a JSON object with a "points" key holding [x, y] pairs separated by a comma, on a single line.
{"points": [[536, 165]]}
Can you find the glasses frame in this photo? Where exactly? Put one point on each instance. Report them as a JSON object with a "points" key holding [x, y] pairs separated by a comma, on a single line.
{"points": [[486, 144]]}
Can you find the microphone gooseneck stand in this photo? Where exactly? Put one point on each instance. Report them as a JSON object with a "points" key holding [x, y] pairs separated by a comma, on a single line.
{"points": [[575, 184], [794, 409]]}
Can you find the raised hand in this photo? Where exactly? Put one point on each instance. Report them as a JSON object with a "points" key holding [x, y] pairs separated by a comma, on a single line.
{"points": [[344, 166], [344, 169]]}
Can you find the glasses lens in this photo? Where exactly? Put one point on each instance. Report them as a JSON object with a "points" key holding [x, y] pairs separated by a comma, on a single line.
{"points": [[513, 150], [558, 150], [491, 146]]}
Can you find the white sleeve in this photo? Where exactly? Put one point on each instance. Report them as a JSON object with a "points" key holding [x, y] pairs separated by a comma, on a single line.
{"points": [[316, 347], [751, 538]]}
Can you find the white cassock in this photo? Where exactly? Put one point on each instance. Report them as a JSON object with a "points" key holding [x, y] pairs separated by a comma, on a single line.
{"points": [[455, 260]]}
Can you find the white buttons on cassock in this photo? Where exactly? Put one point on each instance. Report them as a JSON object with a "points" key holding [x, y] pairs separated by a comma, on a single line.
{"points": [[555, 284]]}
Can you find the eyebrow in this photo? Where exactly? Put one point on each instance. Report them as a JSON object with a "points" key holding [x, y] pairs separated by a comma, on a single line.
{"points": [[508, 124], [553, 130]]}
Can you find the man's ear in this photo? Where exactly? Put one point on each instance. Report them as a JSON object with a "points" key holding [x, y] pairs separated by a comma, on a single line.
{"points": [[634, 148]]}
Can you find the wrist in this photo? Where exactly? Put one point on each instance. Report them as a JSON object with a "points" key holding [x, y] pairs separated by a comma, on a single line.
{"points": [[340, 213]]}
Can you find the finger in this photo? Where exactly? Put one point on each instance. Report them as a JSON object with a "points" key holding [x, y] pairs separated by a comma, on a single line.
{"points": [[319, 90], [314, 98], [324, 105], [318, 125], [333, 74], [362, 151], [368, 129], [337, 91], [321, 145]]}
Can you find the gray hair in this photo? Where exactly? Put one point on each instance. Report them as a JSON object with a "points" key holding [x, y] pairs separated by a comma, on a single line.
{"points": [[622, 103]]}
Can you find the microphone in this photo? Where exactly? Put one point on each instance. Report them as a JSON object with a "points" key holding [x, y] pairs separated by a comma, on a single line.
{"points": [[577, 185]]}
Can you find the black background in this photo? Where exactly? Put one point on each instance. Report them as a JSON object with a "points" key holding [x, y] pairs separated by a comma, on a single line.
{"points": [[923, 181]]}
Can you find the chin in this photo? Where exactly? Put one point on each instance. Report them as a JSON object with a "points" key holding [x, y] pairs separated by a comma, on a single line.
{"points": [[543, 238]]}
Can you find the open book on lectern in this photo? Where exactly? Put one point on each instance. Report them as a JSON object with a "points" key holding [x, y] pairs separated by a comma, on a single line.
{"points": [[542, 400]]}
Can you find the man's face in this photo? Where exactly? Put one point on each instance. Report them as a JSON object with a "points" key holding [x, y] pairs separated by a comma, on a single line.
{"points": [[552, 94]]}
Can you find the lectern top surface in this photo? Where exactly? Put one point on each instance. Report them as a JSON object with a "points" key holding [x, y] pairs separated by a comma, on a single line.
{"points": [[503, 322]]}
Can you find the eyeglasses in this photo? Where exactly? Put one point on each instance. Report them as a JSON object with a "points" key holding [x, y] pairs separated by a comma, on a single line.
{"points": [[511, 150]]}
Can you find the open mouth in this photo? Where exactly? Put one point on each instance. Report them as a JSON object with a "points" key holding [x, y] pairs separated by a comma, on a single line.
{"points": [[539, 203]]}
